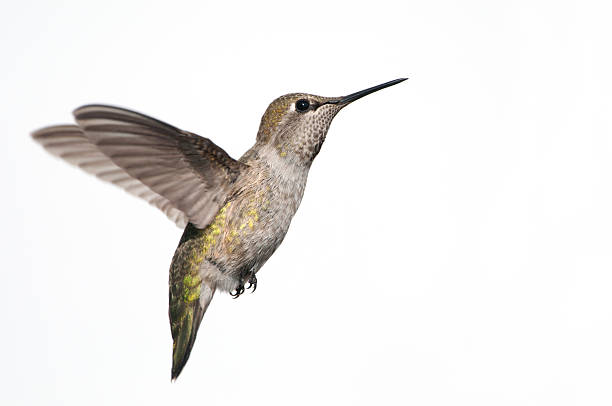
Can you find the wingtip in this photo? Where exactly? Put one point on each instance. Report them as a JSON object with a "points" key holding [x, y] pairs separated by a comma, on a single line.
{"points": [[36, 133], [41, 132], [51, 130], [94, 106]]}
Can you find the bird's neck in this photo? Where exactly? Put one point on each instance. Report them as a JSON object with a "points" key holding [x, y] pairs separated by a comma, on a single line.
{"points": [[285, 171], [281, 162]]}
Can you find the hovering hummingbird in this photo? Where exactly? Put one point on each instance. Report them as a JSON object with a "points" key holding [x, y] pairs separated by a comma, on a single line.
{"points": [[235, 212]]}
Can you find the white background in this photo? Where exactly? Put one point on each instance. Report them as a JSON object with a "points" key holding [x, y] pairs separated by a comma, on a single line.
{"points": [[453, 246]]}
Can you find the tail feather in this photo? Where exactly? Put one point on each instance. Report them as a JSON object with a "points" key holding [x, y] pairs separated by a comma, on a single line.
{"points": [[186, 312]]}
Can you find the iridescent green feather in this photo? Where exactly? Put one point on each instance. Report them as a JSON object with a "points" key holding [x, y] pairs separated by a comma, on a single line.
{"points": [[189, 295]]}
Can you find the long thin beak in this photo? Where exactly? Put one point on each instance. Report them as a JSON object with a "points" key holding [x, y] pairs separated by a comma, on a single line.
{"points": [[358, 95]]}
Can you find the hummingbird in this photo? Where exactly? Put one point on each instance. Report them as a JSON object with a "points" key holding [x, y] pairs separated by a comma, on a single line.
{"points": [[235, 213]]}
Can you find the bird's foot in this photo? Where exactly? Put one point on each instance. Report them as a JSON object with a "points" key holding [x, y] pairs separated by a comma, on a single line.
{"points": [[237, 292], [252, 283]]}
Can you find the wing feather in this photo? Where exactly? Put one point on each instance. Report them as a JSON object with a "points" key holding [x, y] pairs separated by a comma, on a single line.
{"points": [[184, 175]]}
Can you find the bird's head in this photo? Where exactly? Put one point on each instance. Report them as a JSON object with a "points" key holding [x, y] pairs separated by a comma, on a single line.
{"points": [[296, 124]]}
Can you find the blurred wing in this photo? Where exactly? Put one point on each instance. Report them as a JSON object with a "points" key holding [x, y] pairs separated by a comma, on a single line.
{"points": [[186, 176]]}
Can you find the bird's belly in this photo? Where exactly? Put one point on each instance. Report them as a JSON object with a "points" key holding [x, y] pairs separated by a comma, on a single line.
{"points": [[254, 237], [251, 231]]}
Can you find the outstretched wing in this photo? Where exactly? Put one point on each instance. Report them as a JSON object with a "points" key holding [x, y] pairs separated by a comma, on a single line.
{"points": [[71, 144], [186, 176]]}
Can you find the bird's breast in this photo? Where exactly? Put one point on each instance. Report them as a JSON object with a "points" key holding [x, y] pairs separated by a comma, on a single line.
{"points": [[256, 221]]}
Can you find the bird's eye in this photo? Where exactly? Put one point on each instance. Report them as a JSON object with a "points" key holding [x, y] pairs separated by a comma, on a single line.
{"points": [[302, 105]]}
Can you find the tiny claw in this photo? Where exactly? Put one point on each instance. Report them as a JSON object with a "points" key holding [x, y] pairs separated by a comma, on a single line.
{"points": [[252, 283], [237, 292]]}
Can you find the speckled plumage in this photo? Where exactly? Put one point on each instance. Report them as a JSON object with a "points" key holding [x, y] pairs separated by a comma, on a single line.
{"points": [[254, 220], [237, 212]]}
